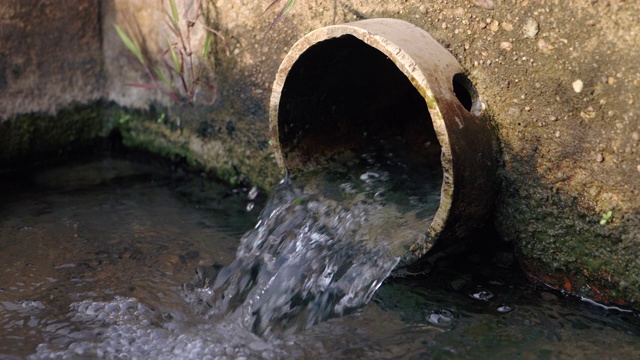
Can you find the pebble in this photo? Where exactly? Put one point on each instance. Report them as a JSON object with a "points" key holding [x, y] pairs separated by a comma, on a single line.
{"points": [[506, 46], [577, 85], [494, 26], [599, 157], [485, 4], [635, 136], [507, 26], [531, 28]]}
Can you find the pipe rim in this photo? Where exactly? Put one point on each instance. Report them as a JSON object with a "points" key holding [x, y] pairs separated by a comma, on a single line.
{"points": [[365, 31]]}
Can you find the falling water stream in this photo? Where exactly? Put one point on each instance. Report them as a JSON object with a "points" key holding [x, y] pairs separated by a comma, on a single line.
{"points": [[99, 260], [324, 244]]}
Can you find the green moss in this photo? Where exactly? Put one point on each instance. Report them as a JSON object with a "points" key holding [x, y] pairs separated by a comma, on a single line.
{"points": [[571, 247], [42, 137], [30, 138], [225, 156]]}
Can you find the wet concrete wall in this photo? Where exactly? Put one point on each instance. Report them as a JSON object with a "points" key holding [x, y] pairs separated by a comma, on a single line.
{"points": [[560, 80], [50, 61], [51, 55]]}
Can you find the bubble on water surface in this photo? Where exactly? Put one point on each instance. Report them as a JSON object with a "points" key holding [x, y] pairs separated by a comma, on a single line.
{"points": [[442, 318], [483, 295]]}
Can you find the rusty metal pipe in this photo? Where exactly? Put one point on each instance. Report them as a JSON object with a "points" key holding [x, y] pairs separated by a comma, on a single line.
{"points": [[389, 76]]}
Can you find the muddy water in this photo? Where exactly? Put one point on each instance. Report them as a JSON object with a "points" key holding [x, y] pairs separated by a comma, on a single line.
{"points": [[94, 257]]}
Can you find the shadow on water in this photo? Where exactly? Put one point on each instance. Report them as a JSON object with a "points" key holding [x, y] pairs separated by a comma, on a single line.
{"points": [[95, 255]]}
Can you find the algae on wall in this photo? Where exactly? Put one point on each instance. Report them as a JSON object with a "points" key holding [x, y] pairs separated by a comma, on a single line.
{"points": [[39, 137]]}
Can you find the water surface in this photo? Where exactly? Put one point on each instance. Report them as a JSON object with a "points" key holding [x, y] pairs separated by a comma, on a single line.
{"points": [[96, 254]]}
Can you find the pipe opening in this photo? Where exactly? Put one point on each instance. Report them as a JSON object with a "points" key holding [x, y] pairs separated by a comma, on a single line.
{"points": [[342, 95], [379, 101]]}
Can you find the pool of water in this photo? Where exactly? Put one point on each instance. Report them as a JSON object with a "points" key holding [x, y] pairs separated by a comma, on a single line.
{"points": [[95, 255]]}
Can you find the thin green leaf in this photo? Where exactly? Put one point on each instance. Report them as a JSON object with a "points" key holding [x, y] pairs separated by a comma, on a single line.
{"points": [[220, 36], [289, 6], [206, 47], [162, 77], [171, 25], [131, 44], [271, 5], [174, 11], [282, 12], [174, 57]]}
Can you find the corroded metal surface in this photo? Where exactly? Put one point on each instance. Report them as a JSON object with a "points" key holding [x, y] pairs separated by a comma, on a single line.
{"points": [[466, 140]]}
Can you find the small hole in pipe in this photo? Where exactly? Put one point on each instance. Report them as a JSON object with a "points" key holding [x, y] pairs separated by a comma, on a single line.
{"points": [[465, 92]]}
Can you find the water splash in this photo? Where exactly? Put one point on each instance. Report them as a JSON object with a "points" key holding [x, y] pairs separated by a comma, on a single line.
{"points": [[321, 248]]}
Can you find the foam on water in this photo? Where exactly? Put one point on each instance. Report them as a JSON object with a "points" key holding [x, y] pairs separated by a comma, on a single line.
{"points": [[124, 328]]}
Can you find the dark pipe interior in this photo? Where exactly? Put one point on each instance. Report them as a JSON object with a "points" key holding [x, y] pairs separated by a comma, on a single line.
{"points": [[344, 95]]}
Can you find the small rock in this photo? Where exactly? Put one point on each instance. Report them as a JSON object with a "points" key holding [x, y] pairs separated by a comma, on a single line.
{"points": [[558, 134], [638, 168], [485, 4], [494, 26], [599, 157], [577, 85], [506, 46], [531, 28], [635, 136], [507, 26], [544, 46]]}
